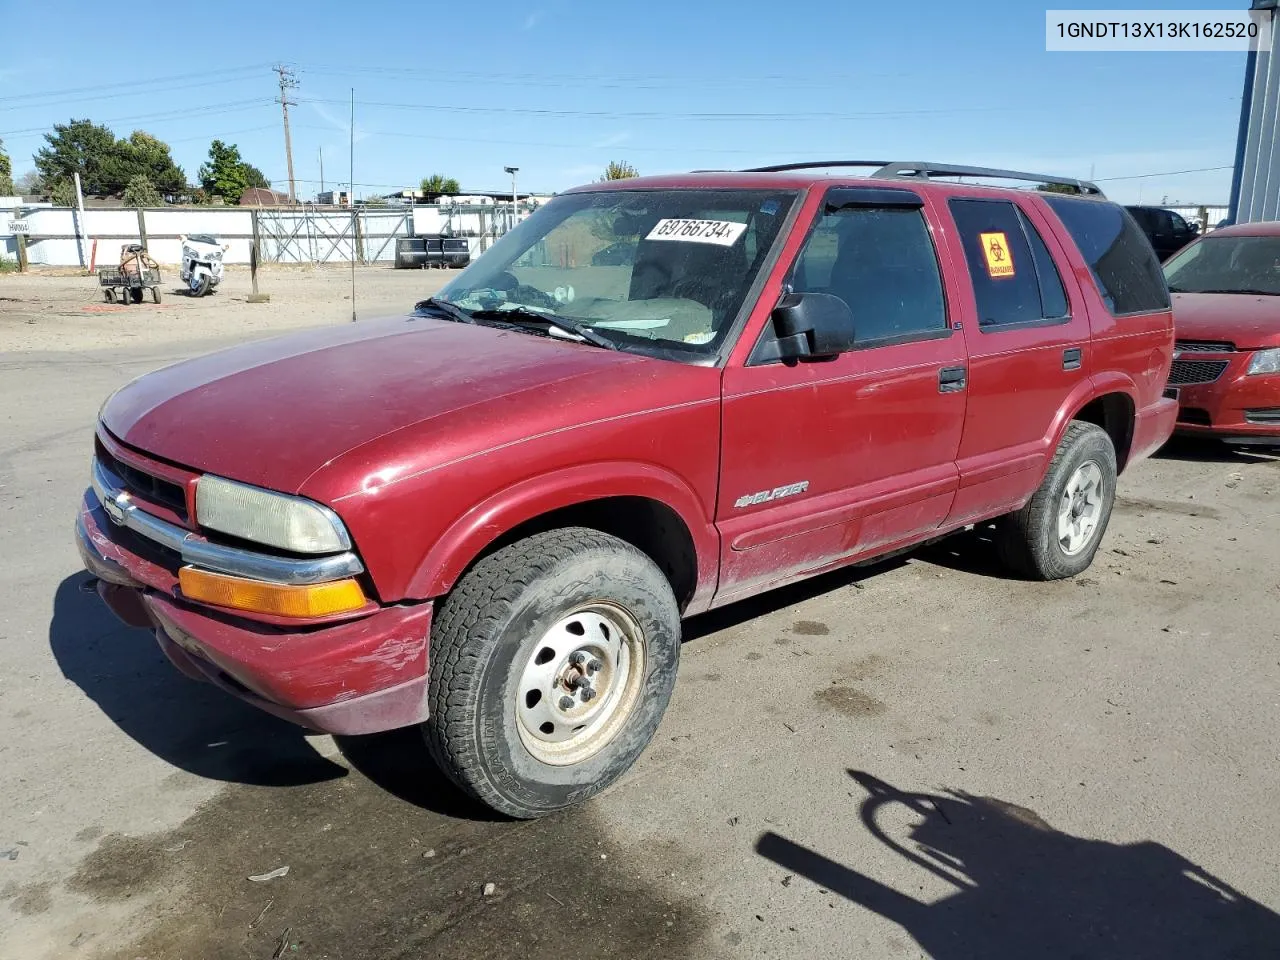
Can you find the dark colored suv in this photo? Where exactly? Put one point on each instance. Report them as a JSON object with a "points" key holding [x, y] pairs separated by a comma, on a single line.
{"points": [[1166, 229]]}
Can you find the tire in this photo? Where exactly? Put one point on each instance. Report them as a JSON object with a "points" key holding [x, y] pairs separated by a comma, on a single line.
{"points": [[109, 295], [155, 294], [199, 286], [1029, 541], [550, 592], [135, 294]]}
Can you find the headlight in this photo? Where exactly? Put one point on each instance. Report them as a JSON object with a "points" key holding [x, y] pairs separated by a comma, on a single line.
{"points": [[1265, 361], [274, 519]]}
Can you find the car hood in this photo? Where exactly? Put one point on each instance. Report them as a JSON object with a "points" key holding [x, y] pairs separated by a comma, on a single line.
{"points": [[1249, 321], [272, 413]]}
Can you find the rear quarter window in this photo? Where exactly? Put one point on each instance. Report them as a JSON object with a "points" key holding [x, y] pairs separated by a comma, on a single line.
{"points": [[1124, 266]]}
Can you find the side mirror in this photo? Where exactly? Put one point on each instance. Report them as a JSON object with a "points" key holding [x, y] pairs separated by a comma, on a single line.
{"points": [[812, 325]]}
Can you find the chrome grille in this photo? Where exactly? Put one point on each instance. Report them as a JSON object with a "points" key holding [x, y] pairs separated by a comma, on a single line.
{"points": [[1204, 346], [1185, 372], [145, 485]]}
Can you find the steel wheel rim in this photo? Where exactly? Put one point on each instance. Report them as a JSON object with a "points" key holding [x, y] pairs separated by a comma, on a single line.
{"points": [[598, 647], [1080, 508]]}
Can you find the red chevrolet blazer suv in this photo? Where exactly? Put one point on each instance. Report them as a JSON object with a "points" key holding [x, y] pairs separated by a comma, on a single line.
{"points": [[489, 516]]}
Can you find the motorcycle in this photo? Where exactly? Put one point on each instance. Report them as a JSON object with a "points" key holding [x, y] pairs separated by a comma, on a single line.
{"points": [[202, 262]]}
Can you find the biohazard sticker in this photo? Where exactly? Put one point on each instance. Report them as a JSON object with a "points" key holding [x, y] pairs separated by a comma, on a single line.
{"points": [[723, 233], [995, 248]]}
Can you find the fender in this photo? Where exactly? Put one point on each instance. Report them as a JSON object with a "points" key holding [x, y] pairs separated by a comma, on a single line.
{"points": [[501, 512], [1085, 392]]}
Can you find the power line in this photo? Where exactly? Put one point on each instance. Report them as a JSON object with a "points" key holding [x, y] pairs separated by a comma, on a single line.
{"points": [[660, 115], [222, 76], [205, 111], [1167, 173]]}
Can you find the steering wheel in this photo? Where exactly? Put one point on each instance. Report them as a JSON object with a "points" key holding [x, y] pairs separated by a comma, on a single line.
{"points": [[522, 292]]}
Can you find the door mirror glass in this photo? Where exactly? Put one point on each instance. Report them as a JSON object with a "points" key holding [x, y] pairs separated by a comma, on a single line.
{"points": [[812, 325]]}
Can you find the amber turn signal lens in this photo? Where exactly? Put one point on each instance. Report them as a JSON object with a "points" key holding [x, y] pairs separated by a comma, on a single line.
{"points": [[282, 600]]}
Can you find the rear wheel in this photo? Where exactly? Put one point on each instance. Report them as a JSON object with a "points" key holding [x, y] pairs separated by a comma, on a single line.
{"points": [[135, 294], [552, 663], [1058, 532], [155, 294], [109, 295]]}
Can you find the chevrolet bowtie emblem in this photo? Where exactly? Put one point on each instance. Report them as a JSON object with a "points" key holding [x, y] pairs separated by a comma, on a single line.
{"points": [[115, 507]]}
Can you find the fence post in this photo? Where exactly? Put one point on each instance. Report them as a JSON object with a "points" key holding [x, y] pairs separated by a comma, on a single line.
{"points": [[22, 253], [358, 248], [142, 228], [255, 296]]}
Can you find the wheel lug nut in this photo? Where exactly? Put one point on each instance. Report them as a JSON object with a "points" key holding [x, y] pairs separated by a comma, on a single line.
{"points": [[578, 659], [587, 694], [595, 666], [566, 703]]}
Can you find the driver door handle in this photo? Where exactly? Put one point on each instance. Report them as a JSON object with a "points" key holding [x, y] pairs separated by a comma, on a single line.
{"points": [[952, 379]]}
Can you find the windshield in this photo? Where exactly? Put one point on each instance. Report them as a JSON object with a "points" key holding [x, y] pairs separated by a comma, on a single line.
{"points": [[662, 269], [1227, 265]]}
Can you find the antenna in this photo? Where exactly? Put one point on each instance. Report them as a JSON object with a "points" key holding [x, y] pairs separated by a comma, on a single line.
{"points": [[287, 82], [351, 202]]}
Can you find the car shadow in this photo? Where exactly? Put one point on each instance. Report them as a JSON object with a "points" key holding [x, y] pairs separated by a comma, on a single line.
{"points": [[191, 725], [399, 763], [1023, 889], [969, 551], [1208, 450], [732, 615]]}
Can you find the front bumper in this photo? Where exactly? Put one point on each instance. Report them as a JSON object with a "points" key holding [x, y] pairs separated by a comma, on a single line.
{"points": [[1231, 407], [352, 677]]}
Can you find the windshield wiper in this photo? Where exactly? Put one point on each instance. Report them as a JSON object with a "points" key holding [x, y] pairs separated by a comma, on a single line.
{"points": [[450, 310], [521, 316]]}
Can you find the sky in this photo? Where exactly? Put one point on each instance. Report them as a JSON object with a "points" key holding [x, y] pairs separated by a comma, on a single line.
{"points": [[559, 88]]}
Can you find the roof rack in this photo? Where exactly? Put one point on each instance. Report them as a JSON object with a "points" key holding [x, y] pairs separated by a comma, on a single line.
{"points": [[813, 165], [920, 170], [924, 171]]}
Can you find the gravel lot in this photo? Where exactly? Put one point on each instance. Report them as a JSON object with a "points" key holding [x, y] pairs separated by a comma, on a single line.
{"points": [[919, 759]]}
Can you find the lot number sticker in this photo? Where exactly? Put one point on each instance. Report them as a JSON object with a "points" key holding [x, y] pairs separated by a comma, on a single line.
{"points": [[724, 233], [995, 247]]}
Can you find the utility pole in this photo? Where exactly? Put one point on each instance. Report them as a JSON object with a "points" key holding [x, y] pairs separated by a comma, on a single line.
{"points": [[322, 169], [287, 83], [514, 196]]}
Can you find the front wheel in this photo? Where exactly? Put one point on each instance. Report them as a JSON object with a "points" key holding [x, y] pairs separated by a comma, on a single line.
{"points": [[552, 663], [1058, 532], [199, 285]]}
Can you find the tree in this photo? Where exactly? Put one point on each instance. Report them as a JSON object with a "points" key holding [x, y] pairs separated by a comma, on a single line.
{"points": [[28, 183], [77, 147], [619, 171], [439, 184], [106, 165], [255, 177], [146, 156], [62, 193], [1057, 188], [6, 173], [141, 192], [226, 175]]}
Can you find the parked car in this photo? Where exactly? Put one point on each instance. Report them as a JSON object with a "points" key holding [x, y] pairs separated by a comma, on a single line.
{"points": [[1166, 229], [490, 516], [1226, 309]]}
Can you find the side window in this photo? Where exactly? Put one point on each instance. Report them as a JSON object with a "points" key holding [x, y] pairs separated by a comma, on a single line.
{"points": [[1014, 277], [881, 262], [1125, 268], [1053, 298]]}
